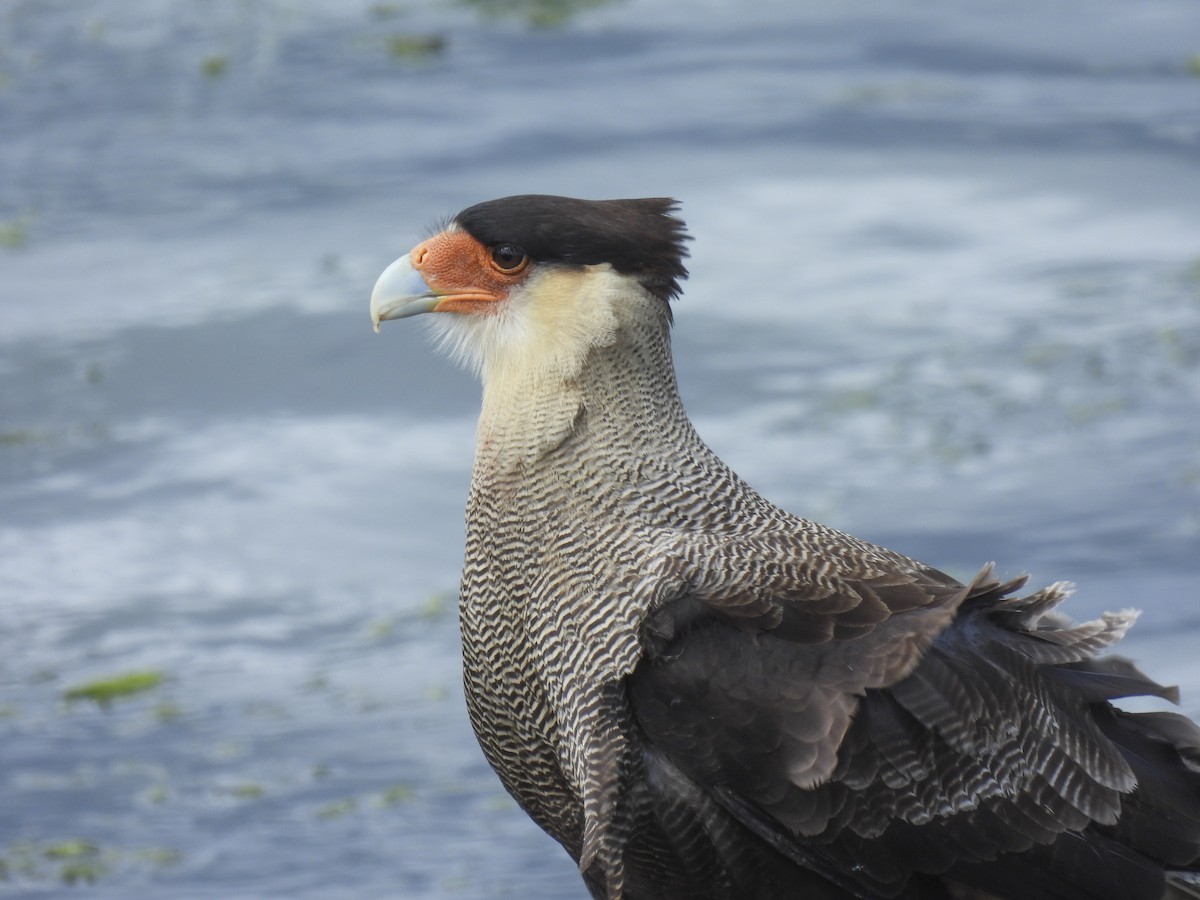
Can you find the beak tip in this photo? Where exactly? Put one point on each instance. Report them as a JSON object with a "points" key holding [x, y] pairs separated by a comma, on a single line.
{"points": [[399, 293]]}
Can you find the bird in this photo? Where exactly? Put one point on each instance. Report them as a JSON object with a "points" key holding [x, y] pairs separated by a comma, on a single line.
{"points": [[701, 695]]}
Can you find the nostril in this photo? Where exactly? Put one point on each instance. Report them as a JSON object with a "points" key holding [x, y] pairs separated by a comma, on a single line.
{"points": [[418, 255]]}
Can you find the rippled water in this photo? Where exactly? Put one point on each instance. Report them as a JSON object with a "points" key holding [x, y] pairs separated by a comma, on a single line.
{"points": [[945, 294]]}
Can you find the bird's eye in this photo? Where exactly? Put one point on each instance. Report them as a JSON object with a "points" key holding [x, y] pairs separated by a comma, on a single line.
{"points": [[509, 258]]}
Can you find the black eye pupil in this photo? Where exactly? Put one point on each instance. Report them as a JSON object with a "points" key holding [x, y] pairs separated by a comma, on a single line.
{"points": [[507, 256]]}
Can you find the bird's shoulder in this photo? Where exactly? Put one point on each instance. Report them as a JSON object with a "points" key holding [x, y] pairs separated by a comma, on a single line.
{"points": [[804, 584], [762, 643]]}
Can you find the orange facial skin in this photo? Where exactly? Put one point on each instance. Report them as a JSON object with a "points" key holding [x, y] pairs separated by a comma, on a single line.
{"points": [[469, 277]]}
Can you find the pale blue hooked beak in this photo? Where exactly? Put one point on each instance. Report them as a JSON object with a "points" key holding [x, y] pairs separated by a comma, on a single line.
{"points": [[401, 292]]}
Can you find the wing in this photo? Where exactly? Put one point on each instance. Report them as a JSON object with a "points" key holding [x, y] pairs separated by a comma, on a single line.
{"points": [[900, 726]]}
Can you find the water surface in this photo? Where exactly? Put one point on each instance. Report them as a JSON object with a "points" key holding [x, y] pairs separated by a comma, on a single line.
{"points": [[945, 294]]}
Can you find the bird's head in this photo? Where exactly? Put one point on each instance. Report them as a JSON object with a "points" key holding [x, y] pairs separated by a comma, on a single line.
{"points": [[534, 282]]}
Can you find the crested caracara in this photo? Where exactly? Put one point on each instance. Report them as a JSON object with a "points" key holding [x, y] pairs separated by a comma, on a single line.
{"points": [[700, 695]]}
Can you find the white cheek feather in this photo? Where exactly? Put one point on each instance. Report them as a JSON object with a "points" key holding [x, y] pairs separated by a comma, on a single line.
{"points": [[543, 332]]}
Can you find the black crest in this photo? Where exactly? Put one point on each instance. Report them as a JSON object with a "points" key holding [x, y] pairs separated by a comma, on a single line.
{"points": [[636, 237]]}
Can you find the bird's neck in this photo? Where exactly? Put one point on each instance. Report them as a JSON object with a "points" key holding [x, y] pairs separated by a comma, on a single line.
{"points": [[623, 394]]}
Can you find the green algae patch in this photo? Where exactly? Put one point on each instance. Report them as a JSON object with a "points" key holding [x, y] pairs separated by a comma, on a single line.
{"points": [[537, 13], [411, 47], [82, 871], [386, 10], [14, 233], [105, 690], [248, 791], [382, 630], [167, 711], [437, 605], [337, 809], [73, 849], [76, 861], [214, 66], [395, 795], [24, 437]]}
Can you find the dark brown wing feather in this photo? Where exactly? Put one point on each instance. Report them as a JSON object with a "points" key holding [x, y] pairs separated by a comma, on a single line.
{"points": [[986, 755]]}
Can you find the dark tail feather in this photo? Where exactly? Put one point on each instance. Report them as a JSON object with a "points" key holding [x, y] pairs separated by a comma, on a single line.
{"points": [[1077, 866], [1161, 818]]}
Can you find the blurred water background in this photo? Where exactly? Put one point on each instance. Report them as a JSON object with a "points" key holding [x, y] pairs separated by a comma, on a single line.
{"points": [[945, 295]]}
